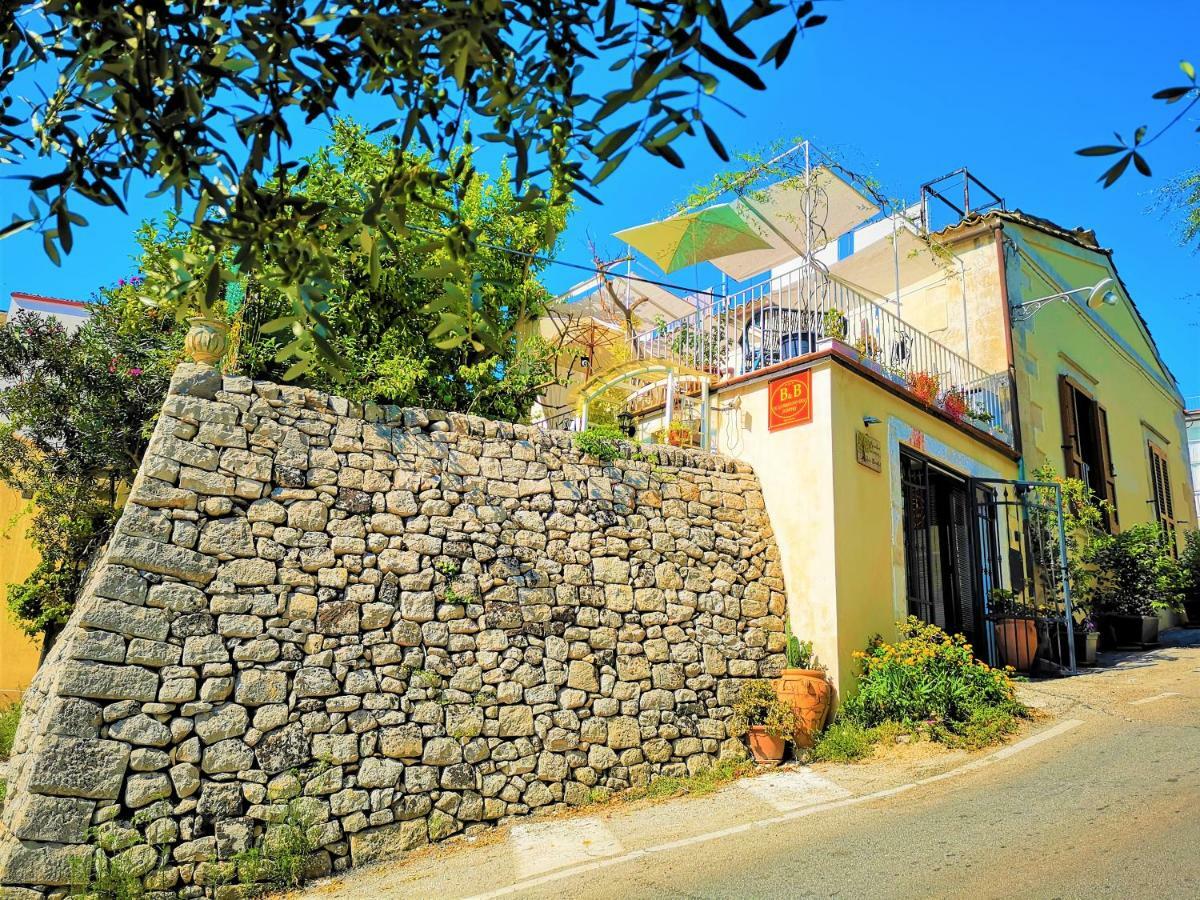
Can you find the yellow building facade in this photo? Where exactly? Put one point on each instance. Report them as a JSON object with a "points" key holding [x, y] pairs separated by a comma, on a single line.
{"points": [[19, 653], [907, 486]]}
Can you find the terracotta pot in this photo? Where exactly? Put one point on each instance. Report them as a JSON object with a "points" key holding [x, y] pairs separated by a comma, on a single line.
{"points": [[206, 341], [1016, 643], [765, 746], [808, 693]]}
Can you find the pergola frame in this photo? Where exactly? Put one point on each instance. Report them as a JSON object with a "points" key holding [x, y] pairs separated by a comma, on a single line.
{"points": [[670, 371]]}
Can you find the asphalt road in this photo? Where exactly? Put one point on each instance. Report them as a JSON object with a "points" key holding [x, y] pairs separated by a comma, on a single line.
{"points": [[1108, 805]]}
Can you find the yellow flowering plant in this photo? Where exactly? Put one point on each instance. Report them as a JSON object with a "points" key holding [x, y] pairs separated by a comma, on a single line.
{"points": [[928, 678]]}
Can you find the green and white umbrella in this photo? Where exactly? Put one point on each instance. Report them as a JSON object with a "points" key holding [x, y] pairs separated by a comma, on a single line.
{"points": [[684, 240]]}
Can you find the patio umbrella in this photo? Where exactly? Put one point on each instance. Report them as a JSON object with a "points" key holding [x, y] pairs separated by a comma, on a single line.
{"points": [[687, 239]]}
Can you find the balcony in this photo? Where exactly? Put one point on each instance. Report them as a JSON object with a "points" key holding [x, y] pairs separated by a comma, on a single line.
{"points": [[789, 318]]}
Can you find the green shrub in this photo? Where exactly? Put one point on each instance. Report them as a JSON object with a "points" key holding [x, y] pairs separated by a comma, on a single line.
{"points": [[704, 782], [1136, 573], [844, 741], [97, 877], [928, 678], [600, 441], [10, 717], [758, 704], [1189, 566], [985, 727]]}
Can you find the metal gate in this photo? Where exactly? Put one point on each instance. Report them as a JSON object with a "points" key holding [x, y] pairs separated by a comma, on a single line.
{"points": [[1023, 579]]}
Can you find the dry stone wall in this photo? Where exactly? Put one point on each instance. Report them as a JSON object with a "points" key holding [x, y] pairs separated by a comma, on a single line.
{"points": [[366, 629]]}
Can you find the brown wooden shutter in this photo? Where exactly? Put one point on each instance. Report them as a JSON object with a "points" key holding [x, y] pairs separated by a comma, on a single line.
{"points": [[1160, 485], [1106, 466], [1072, 457]]}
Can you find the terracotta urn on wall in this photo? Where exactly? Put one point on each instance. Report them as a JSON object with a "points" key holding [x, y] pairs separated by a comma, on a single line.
{"points": [[808, 692], [206, 341]]}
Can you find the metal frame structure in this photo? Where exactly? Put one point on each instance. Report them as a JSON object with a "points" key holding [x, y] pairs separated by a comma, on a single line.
{"points": [[1039, 581], [928, 189], [669, 371]]}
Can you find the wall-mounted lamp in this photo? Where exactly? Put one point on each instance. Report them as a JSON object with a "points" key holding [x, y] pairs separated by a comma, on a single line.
{"points": [[868, 421], [625, 423], [1098, 295]]}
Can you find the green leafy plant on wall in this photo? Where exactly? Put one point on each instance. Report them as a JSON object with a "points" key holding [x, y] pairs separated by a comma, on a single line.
{"points": [[601, 441]]}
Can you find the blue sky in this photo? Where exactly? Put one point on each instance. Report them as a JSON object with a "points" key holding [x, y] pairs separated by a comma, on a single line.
{"points": [[907, 92]]}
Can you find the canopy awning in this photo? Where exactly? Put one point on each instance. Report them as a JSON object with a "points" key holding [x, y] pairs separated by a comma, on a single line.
{"points": [[587, 299], [690, 238], [872, 270], [777, 215]]}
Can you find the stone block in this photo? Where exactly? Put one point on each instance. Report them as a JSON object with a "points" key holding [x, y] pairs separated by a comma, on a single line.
{"points": [[61, 820], [101, 681], [283, 749], [121, 618], [156, 654], [73, 767], [247, 572], [258, 687], [232, 537], [515, 721], [164, 559], [140, 730]]}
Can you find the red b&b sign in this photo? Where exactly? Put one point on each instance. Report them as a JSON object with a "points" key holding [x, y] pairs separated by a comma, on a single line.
{"points": [[789, 401]]}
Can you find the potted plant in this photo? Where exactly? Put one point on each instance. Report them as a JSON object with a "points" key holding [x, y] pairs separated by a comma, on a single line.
{"points": [[867, 348], [979, 414], [834, 324], [1087, 640], [1015, 630], [924, 386], [1189, 565], [1136, 578], [678, 434], [767, 722], [804, 687], [954, 404]]}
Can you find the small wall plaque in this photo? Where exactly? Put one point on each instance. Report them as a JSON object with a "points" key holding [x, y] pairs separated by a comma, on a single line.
{"points": [[867, 451]]}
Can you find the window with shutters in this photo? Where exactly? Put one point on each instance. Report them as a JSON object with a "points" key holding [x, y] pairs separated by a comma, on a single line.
{"points": [[1160, 487], [1086, 453]]}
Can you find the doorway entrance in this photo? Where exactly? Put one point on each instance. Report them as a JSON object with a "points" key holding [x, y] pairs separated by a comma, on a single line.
{"points": [[941, 552]]}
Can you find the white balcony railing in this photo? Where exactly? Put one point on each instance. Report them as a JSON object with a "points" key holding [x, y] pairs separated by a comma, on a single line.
{"points": [[783, 319]]}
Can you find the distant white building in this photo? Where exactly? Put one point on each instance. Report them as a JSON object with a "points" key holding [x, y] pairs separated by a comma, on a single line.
{"points": [[1192, 418], [71, 313]]}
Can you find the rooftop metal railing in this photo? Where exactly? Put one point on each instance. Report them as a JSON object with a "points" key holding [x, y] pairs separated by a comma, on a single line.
{"points": [[785, 318]]}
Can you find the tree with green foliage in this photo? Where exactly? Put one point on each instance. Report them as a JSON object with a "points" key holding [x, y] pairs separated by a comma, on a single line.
{"points": [[386, 339], [74, 414], [200, 102]]}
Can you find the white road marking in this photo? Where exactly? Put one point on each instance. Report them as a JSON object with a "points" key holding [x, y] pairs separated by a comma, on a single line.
{"points": [[1162, 696], [551, 845], [792, 790], [597, 864]]}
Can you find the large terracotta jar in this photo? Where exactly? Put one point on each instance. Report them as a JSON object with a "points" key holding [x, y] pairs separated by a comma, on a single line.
{"points": [[808, 693], [1016, 643]]}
